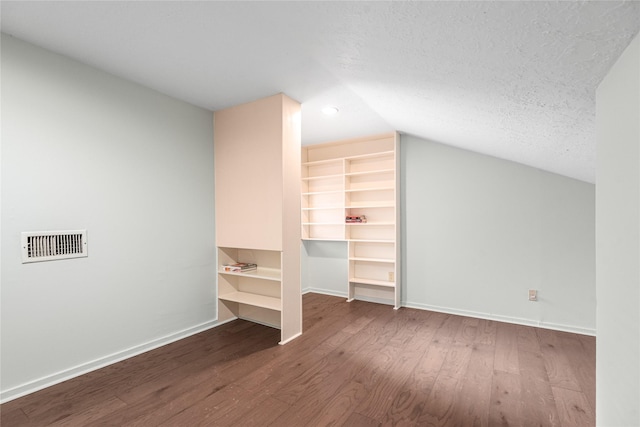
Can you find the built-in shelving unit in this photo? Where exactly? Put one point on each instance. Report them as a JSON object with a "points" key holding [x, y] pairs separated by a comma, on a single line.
{"points": [[256, 294], [354, 178], [257, 167]]}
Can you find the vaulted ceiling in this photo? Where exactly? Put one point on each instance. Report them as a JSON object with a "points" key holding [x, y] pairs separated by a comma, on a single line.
{"points": [[515, 80]]}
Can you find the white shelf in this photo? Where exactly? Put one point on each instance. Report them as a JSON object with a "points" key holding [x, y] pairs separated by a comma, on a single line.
{"points": [[370, 206], [358, 190], [362, 224], [371, 172], [371, 155], [259, 273], [371, 240], [324, 239], [256, 300], [321, 162], [312, 178], [373, 282], [324, 208], [313, 193], [381, 260]]}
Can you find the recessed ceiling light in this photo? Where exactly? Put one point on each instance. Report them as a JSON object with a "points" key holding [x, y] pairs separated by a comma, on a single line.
{"points": [[330, 110]]}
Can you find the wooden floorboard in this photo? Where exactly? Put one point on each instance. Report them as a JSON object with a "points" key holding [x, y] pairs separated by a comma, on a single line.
{"points": [[356, 364]]}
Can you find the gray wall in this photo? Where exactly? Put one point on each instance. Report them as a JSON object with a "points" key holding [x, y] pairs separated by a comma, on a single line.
{"points": [[478, 232], [84, 149], [325, 267], [618, 242]]}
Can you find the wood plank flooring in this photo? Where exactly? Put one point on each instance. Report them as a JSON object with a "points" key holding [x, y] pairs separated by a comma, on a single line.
{"points": [[357, 364]]}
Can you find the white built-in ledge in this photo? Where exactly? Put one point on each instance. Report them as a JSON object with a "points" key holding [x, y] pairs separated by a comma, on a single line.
{"points": [[253, 299], [389, 261], [373, 282], [260, 273]]}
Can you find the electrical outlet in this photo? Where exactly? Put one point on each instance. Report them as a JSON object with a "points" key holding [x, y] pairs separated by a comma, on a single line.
{"points": [[391, 276], [533, 295]]}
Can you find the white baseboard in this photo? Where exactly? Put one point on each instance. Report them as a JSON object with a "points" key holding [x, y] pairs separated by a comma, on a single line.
{"points": [[506, 319], [329, 292], [345, 296], [58, 377], [288, 340], [374, 300], [479, 315], [259, 322]]}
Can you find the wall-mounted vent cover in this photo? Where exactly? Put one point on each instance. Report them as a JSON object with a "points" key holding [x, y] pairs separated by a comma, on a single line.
{"points": [[52, 245]]}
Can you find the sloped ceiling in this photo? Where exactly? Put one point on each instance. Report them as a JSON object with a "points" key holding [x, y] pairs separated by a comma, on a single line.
{"points": [[515, 80]]}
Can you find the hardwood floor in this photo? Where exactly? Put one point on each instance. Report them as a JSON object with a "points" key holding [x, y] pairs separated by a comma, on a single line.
{"points": [[357, 364]]}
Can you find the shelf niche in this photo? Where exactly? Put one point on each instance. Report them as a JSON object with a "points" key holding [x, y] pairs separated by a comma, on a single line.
{"points": [[352, 178]]}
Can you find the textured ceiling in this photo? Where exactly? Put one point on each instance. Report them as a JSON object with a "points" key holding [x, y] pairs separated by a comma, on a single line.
{"points": [[515, 80]]}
